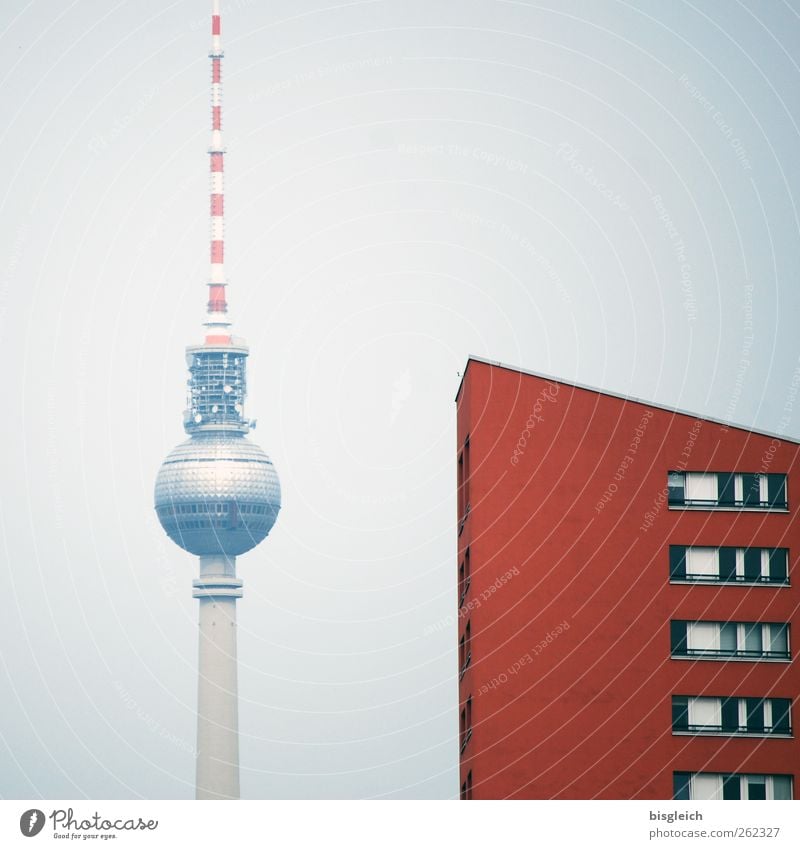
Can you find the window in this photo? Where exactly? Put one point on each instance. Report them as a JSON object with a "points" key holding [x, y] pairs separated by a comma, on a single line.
{"points": [[717, 785], [463, 485], [778, 638], [749, 490], [466, 725], [465, 650], [725, 640], [730, 715], [680, 785], [727, 564], [726, 485], [461, 501], [676, 488], [466, 787], [776, 490], [467, 473], [463, 578], [701, 487]]}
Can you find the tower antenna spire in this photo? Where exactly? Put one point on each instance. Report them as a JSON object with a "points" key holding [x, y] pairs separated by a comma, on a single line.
{"points": [[217, 321]]}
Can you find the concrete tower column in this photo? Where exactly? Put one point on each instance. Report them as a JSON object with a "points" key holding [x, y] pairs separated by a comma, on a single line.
{"points": [[217, 692]]}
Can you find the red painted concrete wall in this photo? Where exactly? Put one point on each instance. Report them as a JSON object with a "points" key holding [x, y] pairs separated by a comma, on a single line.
{"points": [[569, 601]]}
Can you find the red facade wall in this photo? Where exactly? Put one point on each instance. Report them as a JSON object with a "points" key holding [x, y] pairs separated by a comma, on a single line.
{"points": [[569, 601]]}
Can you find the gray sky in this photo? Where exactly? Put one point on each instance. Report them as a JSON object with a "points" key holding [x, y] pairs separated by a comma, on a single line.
{"points": [[602, 191]]}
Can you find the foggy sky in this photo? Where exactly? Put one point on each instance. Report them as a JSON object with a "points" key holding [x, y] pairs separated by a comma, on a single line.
{"points": [[602, 191]]}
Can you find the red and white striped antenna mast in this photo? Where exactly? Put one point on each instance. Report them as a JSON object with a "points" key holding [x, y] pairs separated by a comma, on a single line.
{"points": [[217, 323]]}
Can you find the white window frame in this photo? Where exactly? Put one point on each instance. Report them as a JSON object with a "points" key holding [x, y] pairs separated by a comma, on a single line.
{"points": [[765, 563]]}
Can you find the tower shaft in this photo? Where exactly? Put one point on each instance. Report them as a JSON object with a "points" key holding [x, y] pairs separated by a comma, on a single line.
{"points": [[217, 690]]}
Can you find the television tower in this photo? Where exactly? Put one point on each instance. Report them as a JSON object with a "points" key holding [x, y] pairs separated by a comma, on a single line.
{"points": [[217, 494]]}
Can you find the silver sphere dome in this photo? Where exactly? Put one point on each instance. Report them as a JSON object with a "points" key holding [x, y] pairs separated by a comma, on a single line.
{"points": [[217, 493]]}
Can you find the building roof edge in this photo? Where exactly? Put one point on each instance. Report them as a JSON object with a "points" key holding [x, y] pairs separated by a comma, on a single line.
{"points": [[632, 399]]}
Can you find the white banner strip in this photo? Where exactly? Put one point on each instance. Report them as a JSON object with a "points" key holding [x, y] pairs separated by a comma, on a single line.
{"points": [[416, 824]]}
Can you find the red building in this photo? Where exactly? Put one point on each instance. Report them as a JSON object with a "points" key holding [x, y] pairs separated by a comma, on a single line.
{"points": [[626, 609]]}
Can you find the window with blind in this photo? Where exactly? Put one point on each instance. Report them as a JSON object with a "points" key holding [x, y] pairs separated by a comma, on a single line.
{"points": [[728, 564], [727, 640], [709, 490], [690, 786], [731, 715]]}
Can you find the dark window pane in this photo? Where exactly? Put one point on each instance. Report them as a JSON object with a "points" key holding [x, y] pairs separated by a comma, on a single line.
{"points": [[680, 785], [779, 638], [751, 489], [727, 637], [727, 563], [756, 790], [752, 564], [755, 715], [730, 714], [776, 490], [677, 561], [752, 637], [725, 483], [781, 787], [777, 564], [675, 485], [731, 787], [680, 713], [677, 633], [780, 715]]}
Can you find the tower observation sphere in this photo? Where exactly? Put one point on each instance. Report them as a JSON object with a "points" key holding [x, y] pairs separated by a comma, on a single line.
{"points": [[217, 494]]}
